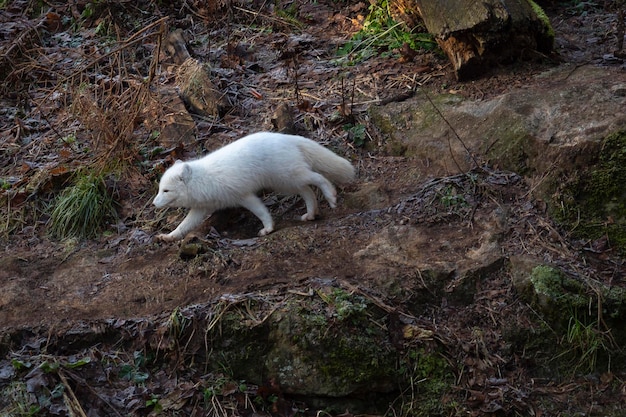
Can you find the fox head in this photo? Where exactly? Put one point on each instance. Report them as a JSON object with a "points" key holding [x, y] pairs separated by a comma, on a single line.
{"points": [[173, 188]]}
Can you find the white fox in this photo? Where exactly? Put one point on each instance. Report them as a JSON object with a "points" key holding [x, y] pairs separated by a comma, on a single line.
{"points": [[232, 176]]}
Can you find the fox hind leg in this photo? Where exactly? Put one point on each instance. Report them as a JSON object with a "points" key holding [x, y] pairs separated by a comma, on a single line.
{"points": [[310, 200], [256, 206], [329, 191]]}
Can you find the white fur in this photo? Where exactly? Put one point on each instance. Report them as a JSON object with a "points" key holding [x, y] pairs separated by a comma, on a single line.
{"points": [[232, 176]]}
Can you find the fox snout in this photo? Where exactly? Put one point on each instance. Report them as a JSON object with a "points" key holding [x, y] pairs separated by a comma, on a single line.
{"points": [[160, 201]]}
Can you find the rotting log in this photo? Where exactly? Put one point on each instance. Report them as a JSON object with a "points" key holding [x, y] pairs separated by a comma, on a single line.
{"points": [[475, 34]]}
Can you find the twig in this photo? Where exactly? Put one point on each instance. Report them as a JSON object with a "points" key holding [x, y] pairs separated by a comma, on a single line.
{"points": [[73, 403], [129, 42], [620, 31], [265, 16], [21, 39], [294, 60], [83, 383], [469, 153]]}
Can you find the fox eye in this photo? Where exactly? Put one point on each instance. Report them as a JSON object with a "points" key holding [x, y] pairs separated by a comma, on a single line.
{"points": [[166, 191]]}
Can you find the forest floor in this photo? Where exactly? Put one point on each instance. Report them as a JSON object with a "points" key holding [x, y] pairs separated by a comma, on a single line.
{"points": [[259, 61]]}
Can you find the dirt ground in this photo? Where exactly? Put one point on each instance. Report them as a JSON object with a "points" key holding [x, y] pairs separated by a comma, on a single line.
{"points": [[46, 282], [129, 274]]}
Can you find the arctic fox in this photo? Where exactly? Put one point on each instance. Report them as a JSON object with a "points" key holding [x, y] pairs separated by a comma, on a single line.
{"points": [[232, 176]]}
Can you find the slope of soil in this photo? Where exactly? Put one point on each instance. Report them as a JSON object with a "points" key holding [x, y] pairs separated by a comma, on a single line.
{"points": [[260, 60]]}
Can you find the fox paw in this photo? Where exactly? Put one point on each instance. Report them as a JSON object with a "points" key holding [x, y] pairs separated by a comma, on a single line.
{"points": [[308, 217], [266, 231], [166, 238], [332, 201]]}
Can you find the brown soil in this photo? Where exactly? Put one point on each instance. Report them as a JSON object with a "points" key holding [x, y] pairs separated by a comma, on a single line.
{"points": [[128, 274], [49, 283]]}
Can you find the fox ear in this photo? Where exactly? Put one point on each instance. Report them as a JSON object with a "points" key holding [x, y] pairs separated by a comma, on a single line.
{"points": [[178, 161], [185, 173]]}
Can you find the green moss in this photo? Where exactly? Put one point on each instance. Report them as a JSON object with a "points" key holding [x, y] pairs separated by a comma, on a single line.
{"points": [[236, 346], [554, 290], [394, 121], [583, 323], [353, 349], [593, 203], [510, 146], [345, 305], [557, 291], [331, 345], [614, 302], [430, 377], [335, 346], [541, 14], [354, 359]]}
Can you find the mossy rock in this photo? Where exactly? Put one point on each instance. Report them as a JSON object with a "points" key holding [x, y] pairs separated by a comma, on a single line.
{"points": [[546, 42], [580, 321], [418, 115], [558, 297], [593, 203], [237, 345], [555, 293], [330, 348], [335, 347]]}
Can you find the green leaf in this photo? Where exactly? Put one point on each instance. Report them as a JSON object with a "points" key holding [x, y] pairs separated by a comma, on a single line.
{"points": [[78, 363]]}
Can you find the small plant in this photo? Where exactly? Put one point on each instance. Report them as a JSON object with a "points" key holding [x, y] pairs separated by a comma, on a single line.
{"points": [[346, 305], [83, 208], [356, 133], [88, 11], [17, 401], [381, 32], [177, 323], [267, 403], [451, 198], [132, 372], [586, 342], [69, 139], [154, 403], [219, 388], [50, 367]]}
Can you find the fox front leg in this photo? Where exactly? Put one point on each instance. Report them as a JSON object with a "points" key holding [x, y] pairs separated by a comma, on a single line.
{"points": [[193, 219]]}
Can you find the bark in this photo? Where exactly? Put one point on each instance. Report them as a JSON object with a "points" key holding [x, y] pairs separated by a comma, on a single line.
{"points": [[478, 33]]}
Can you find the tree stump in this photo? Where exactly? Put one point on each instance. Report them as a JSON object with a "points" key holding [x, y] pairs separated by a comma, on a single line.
{"points": [[475, 34]]}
